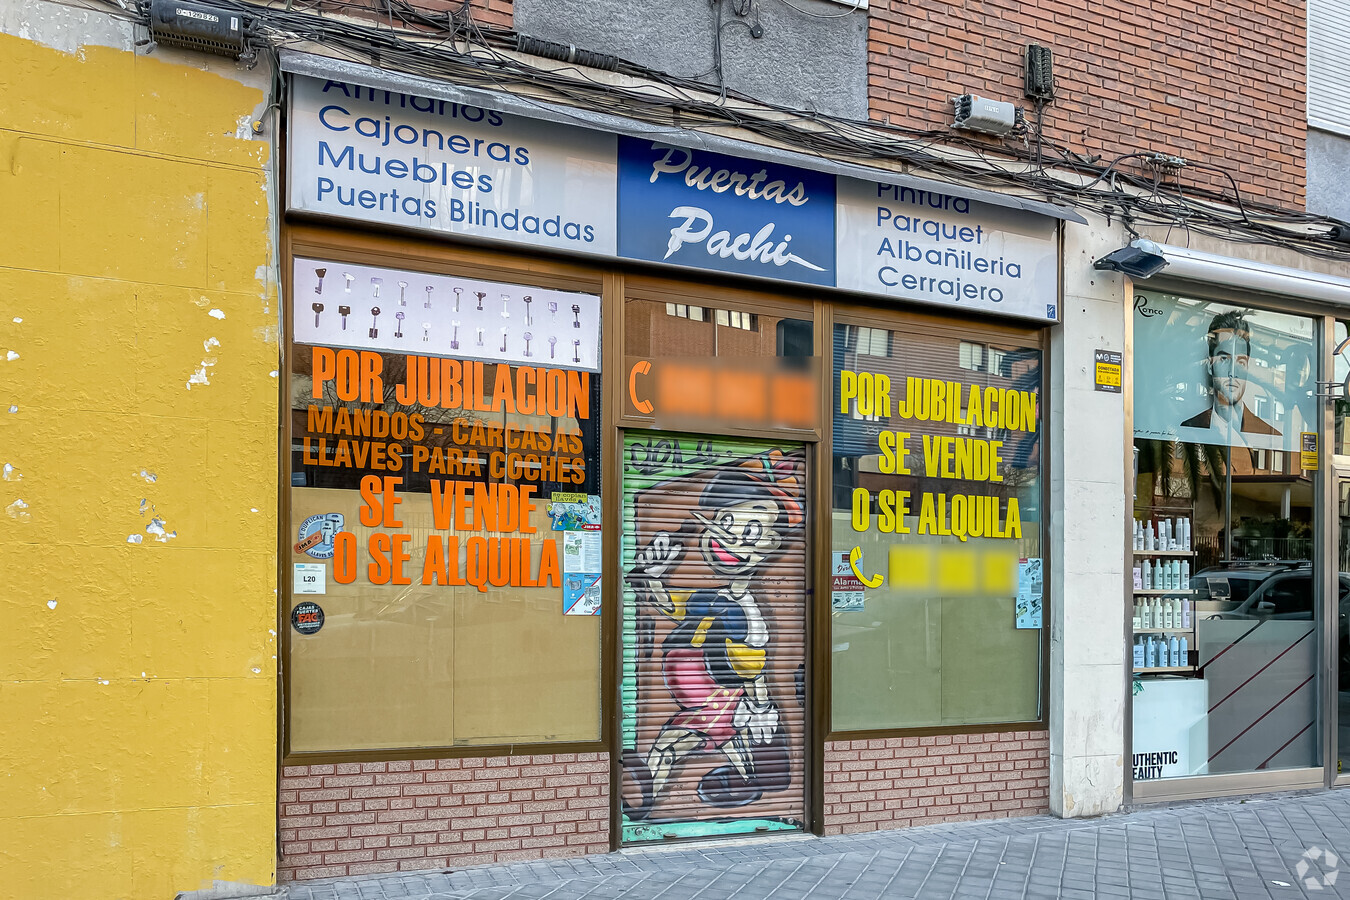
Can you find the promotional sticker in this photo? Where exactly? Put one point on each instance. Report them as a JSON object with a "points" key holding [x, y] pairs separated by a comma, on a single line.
{"points": [[307, 617], [316, 535]]}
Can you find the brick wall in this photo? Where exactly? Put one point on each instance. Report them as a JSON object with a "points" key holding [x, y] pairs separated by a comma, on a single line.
{"points": [[1213, 82], [879, 784], [362, 818]]}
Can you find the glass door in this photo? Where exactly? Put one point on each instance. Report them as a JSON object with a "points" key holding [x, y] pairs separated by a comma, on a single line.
{"points": [[1341, 488], [1227, 641]]}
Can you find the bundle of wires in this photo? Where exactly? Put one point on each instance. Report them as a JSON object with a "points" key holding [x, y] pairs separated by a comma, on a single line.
{"points": [[452, 46]]}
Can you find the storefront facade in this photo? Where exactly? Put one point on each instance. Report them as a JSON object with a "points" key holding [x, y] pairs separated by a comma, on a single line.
{"points": [[1238, 394], [585, 551]]}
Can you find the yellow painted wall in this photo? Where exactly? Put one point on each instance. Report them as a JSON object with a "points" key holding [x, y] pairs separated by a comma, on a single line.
{"points": [[137, 680]]}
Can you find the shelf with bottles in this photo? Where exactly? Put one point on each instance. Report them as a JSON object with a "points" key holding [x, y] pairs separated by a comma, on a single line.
{"points": [[1163, 592], [1165, 536], [1164, 648], [1163, 615], [1164, 670], [1188, 629]]}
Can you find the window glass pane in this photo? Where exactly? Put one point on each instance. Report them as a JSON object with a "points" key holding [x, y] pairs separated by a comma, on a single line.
{"points": [[674, 330], [928, 628], [719, 368], [1225, 648], [423, 474]]}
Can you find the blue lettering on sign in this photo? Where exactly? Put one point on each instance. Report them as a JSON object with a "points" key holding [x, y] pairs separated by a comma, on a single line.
{"points": [[695, 208]]}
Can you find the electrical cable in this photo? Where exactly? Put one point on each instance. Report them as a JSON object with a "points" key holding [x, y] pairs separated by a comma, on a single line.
{"points": [[426, 45], [855, 7]]}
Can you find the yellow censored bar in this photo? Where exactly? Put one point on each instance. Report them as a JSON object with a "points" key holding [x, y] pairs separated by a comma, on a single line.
{"points": [[952, 571], [932, 400]]}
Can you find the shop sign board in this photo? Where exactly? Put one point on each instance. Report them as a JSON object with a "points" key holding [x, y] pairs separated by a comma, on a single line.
{"points": [[710, 211], [935, 248], [417, 162], [379, 156]]}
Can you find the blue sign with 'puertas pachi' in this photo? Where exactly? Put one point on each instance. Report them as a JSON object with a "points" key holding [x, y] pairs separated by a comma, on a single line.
{"points": [[709, 211]]}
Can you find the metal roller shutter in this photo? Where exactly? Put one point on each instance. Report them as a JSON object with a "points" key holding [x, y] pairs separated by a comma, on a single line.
{"points": [[1329, 65], [714, 637]]}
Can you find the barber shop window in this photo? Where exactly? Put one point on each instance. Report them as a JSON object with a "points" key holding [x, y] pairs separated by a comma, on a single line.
{"points": [[1226, 428]]}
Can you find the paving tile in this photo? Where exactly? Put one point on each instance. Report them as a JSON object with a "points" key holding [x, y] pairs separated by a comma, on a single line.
{"points": [[1216, 850]]}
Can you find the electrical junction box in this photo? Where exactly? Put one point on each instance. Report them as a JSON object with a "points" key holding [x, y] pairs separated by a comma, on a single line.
{"points": [[197, 26], [975, 113]]}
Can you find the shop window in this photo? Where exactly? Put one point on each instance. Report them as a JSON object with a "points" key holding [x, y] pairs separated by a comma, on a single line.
{"points": [[444, 460], [1225, 646], [937, 601], [1340, 373], [677, 330]]}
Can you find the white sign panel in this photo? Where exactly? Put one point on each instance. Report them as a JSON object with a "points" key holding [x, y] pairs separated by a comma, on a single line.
{"points": [[380, 156], [370, 308], [1171, 730], [310, 578], [934, 248]]}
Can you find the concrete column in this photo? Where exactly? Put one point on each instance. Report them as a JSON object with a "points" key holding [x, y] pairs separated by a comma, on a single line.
{"points": [[1088, 519]]}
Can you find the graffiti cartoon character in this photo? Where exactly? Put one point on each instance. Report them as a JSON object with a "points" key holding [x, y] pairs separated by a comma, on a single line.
{"points": [[715, 659]]}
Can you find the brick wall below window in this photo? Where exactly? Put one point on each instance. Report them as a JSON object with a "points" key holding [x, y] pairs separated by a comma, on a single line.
{"points": [[362, 818], [878, 784]]}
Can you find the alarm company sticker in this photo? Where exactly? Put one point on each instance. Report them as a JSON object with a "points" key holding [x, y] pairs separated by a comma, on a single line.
{"points": [[317, 533], [307, 617]]}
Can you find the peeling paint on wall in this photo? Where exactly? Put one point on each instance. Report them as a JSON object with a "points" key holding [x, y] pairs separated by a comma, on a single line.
{"points": [[156, 527], [189, 241]]}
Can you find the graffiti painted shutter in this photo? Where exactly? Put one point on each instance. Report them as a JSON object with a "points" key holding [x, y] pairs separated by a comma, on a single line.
{"points": [[714, 637]]}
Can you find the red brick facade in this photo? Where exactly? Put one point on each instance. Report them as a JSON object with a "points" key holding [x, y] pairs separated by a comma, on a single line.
{"points": [[888, 783], [362, 818], [1221, 83]]}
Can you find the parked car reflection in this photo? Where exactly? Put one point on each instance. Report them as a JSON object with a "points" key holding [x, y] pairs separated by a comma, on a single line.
{"points": [[1271, 592]]}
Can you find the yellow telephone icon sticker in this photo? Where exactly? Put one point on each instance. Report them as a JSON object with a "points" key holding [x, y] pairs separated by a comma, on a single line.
{"points": [[854, 557]]}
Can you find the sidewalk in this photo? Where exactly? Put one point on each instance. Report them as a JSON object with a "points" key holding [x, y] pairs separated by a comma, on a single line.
{"points": [[1233, 850]]}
